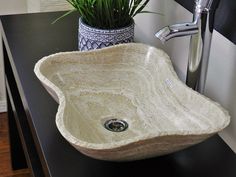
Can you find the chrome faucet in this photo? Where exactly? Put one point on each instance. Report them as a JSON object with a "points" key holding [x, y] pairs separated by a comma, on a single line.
{"points": [[201, 33]]}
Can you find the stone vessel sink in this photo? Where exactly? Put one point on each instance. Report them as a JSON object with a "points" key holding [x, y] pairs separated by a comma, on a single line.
{"points": [[126, 103]]}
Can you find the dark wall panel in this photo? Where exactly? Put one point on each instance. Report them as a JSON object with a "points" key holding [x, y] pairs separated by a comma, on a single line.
{"points": [[225, 18]]}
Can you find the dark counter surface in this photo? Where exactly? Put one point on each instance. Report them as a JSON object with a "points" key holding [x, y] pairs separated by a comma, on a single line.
{"points": [[27, 39]]}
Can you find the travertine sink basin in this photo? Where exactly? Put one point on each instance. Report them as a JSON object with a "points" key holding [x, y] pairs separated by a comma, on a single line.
{"points": [[126, 103]]}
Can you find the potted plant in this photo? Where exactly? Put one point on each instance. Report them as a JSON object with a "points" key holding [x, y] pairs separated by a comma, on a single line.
{"points": [[105, 22]]}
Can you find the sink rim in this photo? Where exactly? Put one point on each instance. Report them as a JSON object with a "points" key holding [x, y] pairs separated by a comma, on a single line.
{"points": [[60, 98]]}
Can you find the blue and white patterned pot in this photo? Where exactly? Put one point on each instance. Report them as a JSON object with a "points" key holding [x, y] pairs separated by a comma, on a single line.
{"points": [[93, 38]]}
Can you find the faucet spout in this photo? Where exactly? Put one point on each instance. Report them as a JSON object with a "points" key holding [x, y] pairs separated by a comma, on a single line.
{"points": [[200, 30], [177, 30]]}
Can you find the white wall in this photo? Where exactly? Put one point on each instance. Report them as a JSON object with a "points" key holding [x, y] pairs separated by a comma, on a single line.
{"points": [[221, 79], [12, 6], [8, 7], [47, 5], [2, 85]]}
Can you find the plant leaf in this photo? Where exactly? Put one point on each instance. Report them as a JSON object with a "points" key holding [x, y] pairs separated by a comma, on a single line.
{"points": [[107, 14], [67, 13], [141, 7], [150, 12]]}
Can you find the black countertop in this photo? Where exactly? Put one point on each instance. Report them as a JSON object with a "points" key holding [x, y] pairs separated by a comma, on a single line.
{"points": [[30, 37]]}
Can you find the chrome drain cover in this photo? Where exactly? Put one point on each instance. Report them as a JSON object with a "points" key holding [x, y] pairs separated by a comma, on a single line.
{"points": [[116, 125]]}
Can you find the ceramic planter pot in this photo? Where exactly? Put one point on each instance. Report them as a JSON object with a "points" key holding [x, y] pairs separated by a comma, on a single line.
{"points": [[93, 38]]}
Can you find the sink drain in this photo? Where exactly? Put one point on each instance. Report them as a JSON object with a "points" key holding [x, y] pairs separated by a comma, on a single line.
{"points": [[116, 125]]}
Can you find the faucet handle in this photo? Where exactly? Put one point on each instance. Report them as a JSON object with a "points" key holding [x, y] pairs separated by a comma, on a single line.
{"points": [[203, 4], [206, 5]]}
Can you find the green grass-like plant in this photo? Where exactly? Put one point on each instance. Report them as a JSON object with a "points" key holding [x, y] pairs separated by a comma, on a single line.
{"points": [[107, 14]]}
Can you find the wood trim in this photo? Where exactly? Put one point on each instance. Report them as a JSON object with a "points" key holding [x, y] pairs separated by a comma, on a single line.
{"points": [[5, 164]]}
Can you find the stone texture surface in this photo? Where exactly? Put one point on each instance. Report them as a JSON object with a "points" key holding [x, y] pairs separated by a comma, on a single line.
{"points": [[132, 82]]}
